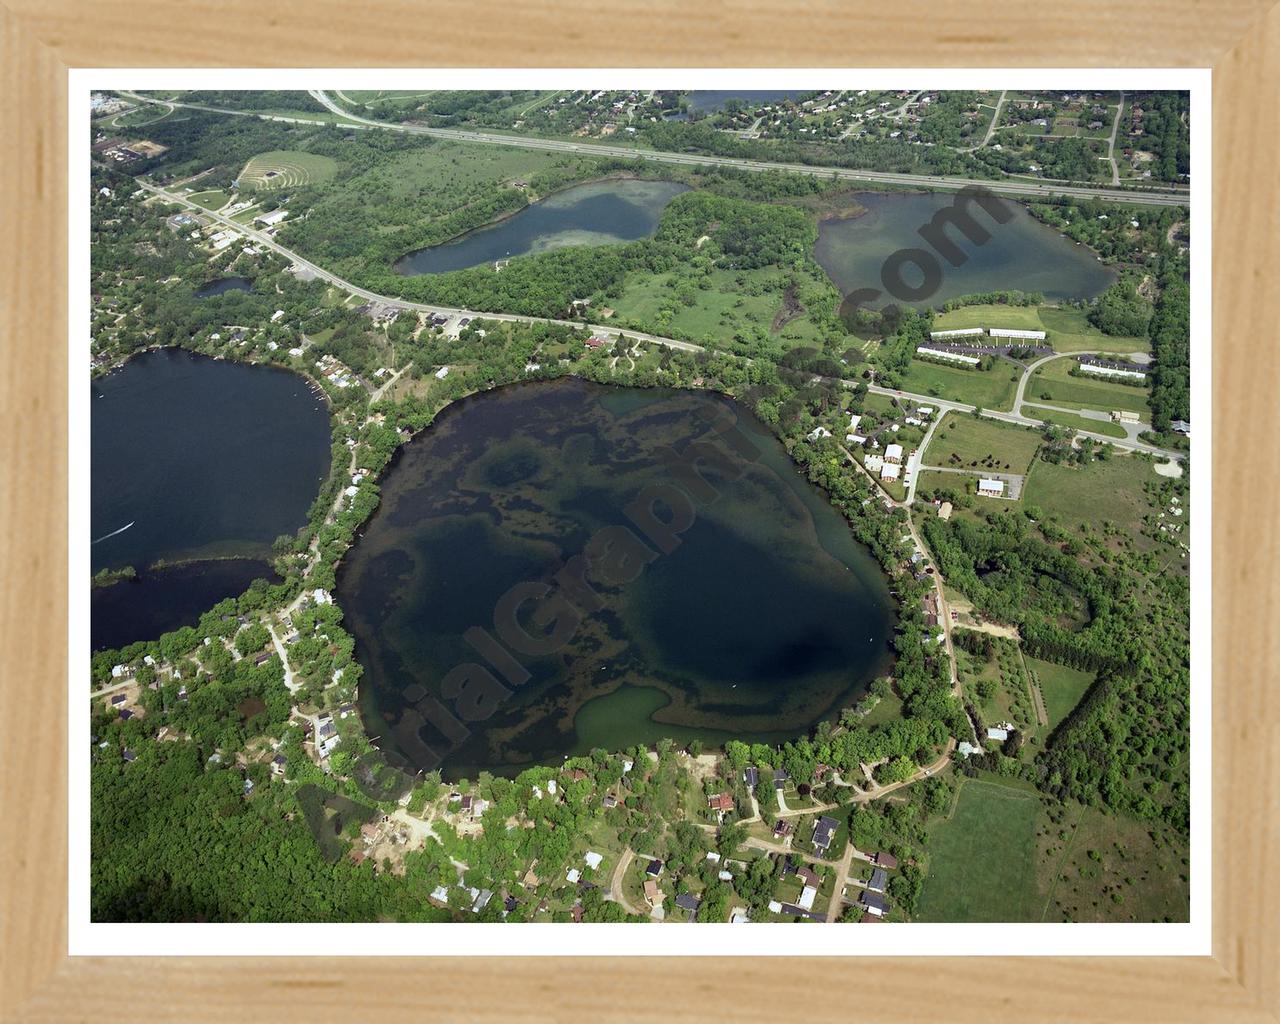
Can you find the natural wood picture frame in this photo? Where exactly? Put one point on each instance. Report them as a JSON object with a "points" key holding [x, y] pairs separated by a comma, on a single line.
{"points": [[41, 39]]}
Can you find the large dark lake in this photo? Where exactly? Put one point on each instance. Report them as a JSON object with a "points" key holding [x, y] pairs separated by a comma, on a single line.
{"points": [[1021, 254], [766, 618], [598, 213], [194, 459]]}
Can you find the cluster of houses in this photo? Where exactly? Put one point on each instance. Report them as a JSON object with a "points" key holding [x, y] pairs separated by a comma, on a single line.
{"points": [[335, 372]]}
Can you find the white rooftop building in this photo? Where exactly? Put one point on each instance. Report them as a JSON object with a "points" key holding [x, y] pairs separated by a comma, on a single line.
{"points": [[274, 217], [889, 471], [965, 332], [1110, 371], [955, 357], [991, 488], [893, 453], [1009, 332]]}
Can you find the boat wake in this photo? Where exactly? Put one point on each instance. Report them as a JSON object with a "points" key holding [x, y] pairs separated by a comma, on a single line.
{"points": [[114, 532]]}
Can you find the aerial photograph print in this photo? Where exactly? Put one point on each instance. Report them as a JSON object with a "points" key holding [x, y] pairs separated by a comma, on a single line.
{"points": [[637, 505]]}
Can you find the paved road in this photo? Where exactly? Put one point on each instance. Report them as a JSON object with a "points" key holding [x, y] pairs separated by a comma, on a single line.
{"points": [[1150, 197], [995, 123], [1132, 430], [1155, 198]]}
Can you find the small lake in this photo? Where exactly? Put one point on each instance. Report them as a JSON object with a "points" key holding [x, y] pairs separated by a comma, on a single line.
{"points": [[765, 619], [160, 600], [194, 458], [597, 213], [711, 100], [1021, 254], [224, 285]]}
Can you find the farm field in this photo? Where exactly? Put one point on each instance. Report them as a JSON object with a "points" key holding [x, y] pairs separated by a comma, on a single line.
{"points": [[1053, 383], [966, 442], [1063, 688], [1069, 330], [287, 168], [982, 860], [1103, 491], [993, 389]]}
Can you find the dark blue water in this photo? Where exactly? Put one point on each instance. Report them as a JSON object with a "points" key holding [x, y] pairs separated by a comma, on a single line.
{"points": [[224, 284], [766, 618], [204, 457], [599, 213], [709, 100], [162, 600]]}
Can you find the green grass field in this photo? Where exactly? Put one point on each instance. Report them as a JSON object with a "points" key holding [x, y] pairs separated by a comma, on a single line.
{"points": [[1068, 419], [720, 314], [285, 168], [211, 199], [1110, 491], [982, 860], [995, 446], [1062, 687], [1069, 330], [1053, 383], [1112, 868], [992, 389]]}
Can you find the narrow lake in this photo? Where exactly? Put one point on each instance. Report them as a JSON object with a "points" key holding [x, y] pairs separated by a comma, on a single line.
{"points": [[709, 100], [1021, 254], [191, 459], [766, 618], [223, 285], [597, 213]]}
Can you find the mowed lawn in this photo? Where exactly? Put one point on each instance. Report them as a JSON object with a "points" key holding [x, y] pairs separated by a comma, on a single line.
{"points": [[1053, 383], [991, 389], [1063, 688], [962, 440], [1110, 491], [1069, 329], [1070, 419], [982, 860]]}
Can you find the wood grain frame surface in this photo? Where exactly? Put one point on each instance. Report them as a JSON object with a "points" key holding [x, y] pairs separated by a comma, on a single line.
{"points": [[41, 39]]}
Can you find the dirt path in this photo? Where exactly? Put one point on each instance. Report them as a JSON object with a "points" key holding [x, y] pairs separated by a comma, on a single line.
{"points": [[836, 902], [1037, 698], [615, 883]]}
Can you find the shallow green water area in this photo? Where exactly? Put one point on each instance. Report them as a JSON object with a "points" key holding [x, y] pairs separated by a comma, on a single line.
{"points": [[766, 616], [1020, 254], [594, 213]]}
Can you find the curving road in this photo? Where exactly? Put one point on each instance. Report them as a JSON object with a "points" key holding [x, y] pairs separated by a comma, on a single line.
{"points": [[1024, 190]]}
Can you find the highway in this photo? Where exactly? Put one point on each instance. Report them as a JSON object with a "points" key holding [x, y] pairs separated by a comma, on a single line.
{"points": [[265, 240], [1017, 189]]}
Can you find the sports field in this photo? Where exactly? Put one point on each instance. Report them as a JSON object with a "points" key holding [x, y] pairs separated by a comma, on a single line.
{"points": [[982, 860], [286, 168]]}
